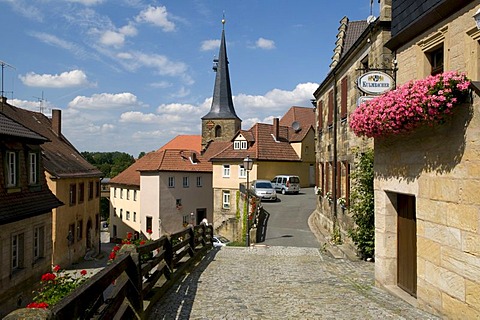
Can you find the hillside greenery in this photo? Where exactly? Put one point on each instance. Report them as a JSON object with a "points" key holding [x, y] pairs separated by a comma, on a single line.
{"points": [[110, 163]]}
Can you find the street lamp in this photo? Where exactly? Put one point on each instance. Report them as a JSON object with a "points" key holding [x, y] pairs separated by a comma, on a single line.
{"points": [[247, 165]]}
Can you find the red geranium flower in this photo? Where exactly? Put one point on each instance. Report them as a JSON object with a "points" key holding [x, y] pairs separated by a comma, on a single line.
{"points": [[116, 248], [129, 235], [42, 305], [83, 272], [112, 255], [48, 277], [56, 268], [149, 231], [142, 242]]}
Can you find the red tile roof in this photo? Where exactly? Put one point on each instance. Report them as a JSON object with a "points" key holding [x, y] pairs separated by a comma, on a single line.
{"points": [[305, 117], [187, 142]]}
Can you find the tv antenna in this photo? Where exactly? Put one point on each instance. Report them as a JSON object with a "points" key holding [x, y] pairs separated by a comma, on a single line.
{"points": [[4, 64], [41, 101]]}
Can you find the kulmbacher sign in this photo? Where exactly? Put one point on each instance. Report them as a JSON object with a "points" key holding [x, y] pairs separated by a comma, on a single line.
{"points": [[375, 82]]}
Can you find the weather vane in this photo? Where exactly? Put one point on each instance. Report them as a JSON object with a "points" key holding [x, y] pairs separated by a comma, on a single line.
{"points": [[223, 19]]}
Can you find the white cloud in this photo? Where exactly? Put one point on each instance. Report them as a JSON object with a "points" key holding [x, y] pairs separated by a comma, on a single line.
{"points": [[60, 43], [25, 9], [149, 118], [266, 44], [178, 108], [208, 45], [129, 30], [157, 16], [105, 101], [161, 84], [117, 38], [74, 78]]}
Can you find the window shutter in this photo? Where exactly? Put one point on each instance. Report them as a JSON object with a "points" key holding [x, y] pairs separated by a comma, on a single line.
{"points": [[344, 97], [330, 108]]}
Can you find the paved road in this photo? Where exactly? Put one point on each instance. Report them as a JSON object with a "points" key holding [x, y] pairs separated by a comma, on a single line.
{"points": [[280, 283], [288, 221]]}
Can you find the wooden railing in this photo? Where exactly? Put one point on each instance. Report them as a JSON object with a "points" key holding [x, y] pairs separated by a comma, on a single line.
{"points": [[129, 287]]}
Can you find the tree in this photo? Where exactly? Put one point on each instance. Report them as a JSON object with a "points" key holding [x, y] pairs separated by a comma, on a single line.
{"points": [[110, 163]]}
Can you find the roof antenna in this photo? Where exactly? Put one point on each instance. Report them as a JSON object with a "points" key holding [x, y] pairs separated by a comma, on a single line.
{"points": [[3, 64], [41, 101]]}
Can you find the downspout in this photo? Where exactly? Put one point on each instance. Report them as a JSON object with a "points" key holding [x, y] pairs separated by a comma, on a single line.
{"points": [[334, 178]]}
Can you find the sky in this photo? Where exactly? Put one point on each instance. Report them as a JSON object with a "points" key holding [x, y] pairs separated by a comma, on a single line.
{"points": [[130, 75]]}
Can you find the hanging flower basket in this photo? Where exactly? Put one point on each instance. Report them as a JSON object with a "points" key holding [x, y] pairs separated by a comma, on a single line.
{"points": [[427, 101]]}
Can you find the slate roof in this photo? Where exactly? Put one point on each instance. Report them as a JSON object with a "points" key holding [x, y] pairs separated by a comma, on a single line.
{"points": [[9, 127], [165, 160], [353, 32], [60, 158], [222, 103], [305, 117], [188, 142]]}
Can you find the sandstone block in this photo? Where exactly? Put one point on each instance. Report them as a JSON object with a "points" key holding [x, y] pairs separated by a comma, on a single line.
{"points": [[455, 309], [447, 281]]}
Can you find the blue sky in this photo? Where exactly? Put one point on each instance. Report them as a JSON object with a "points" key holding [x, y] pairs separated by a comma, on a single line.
{"points": [[130, 75]]}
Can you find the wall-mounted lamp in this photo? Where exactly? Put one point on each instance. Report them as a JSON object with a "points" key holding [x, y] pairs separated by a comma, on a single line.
{"points": [[476, 16]]}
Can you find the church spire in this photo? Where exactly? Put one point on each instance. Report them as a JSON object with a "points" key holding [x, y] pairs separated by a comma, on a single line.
{"points": [[222, 104]]}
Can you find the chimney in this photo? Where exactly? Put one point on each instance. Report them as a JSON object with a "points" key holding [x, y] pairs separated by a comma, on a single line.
{"points": [[275, 128], [57, 122]]}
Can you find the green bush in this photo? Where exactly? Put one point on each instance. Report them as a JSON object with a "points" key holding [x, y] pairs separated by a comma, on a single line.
{"points": [[362, 204]]}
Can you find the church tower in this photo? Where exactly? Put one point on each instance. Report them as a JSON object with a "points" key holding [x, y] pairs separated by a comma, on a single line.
{"points": [[221, 123]]}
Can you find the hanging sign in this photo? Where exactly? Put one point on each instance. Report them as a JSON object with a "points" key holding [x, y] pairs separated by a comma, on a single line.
{"points": [[375, 82], [364, 99]]}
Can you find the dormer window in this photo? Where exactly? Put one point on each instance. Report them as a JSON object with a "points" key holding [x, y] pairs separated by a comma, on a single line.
{"points": [[240, 144]]}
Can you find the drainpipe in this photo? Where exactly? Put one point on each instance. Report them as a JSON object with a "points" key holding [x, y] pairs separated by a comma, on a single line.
{"points": [[335, 169]]}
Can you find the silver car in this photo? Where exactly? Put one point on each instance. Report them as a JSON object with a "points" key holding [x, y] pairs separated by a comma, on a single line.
{"points": [[264, 190]]}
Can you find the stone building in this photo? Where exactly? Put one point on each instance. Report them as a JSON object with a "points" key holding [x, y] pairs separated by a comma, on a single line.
{"points": [[26, 205], [427, 204], [359, 50]]}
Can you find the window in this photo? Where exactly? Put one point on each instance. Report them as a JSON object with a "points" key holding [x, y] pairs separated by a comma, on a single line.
{"points": [[90, 190], [128, 194], [38, 242], [185, 182], [199, 181], [33, 168], [81, 192], [128, 215], [114, 192], [171, 182], [435, 58], [73, 194], [242, 173], [236, 145], [121, 213], [243, 145], [121, 193], [134, 195], [97, 189], [134, 216], [226, 171], [344, 98], [240, 144], [218, 131], [17, 251], [71, 234], [226, 199], [330, 109], [79, 230], [178, 203], [11, 169], [148, 225]]}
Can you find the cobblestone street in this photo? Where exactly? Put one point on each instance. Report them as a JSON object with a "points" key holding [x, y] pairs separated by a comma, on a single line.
{"points": [[281, 283]]}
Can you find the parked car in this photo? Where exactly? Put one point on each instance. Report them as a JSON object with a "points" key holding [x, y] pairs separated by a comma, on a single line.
{"points": [[264, 190], [220, 241], [286, 184]]}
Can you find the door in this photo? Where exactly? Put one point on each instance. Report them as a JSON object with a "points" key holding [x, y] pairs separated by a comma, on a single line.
{"points": [[201, 214], [311, 179], [407, 244]]}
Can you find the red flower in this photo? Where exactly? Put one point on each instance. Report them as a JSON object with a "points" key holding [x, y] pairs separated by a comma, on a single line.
{"points": [[149, 231], [112, 255], [48, 277], [56, 268], [42, 305], [116, 248], [142, 242], [126, 242], [83, 272], [129, 235]]}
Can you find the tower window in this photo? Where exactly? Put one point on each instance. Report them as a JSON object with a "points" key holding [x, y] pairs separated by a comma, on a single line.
{"points": [[218, 131]]}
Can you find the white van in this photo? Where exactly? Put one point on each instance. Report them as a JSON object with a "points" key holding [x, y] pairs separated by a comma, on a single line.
{"points": [[286, 183]]}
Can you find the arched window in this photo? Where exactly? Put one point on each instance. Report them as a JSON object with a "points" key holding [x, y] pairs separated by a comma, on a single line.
{"points": [[218, 131]]}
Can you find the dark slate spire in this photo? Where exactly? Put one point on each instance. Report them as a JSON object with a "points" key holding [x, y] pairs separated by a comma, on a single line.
{"points": [[222, 104]]}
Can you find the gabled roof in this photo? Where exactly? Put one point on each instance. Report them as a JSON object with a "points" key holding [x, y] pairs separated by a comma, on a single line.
{"points": [[353, 32], [304, 117], [265, 146], [189, 142], [61, 158], [22, 205], [9, 127], [222, 103]]}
